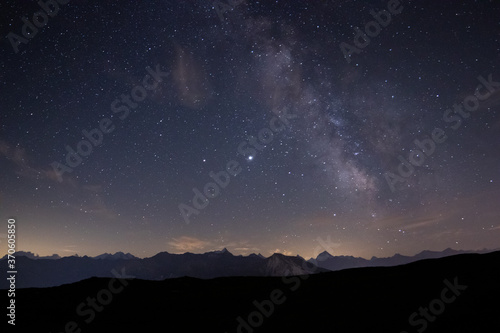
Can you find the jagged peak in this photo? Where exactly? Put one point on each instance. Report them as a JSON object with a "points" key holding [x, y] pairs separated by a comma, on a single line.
{"points": [[223, 251], [116, 255], [324, 255], [31, 255]]}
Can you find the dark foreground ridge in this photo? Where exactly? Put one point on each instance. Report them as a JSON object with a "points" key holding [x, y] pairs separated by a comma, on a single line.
{"points": [[454, 294]]}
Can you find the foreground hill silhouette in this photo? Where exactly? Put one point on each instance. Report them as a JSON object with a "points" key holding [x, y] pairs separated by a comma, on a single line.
{"points": [[377, 299]]}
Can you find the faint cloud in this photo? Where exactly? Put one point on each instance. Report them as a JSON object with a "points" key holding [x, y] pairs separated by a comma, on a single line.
{"points": [[93, 188], [284, 252], [24, 168], [409, 222], [189, 244], [190, 80], [91, 202], [68, 249], [247, 250], [447, 235], [424, 222]]}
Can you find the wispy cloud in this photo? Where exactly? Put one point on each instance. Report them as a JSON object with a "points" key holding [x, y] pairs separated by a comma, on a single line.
{"points": [[247, 250], [72, 249], [410, 222], [90, 203], [190, 80], [17, 155], [184, 244], [189, 244], [282, 251]]}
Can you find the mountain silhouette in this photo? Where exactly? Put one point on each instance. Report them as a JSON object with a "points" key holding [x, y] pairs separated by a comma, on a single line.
{"points": [[116, 256], [32, 255], [456, 294], [335, 263], [48, 273]]}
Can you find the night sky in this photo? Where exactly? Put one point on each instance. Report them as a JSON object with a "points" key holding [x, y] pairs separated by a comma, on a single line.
{"points": [[295, 131]]}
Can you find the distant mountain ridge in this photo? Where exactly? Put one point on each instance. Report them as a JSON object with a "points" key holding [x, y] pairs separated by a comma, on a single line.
{"points": [[48, 273], [426, 254], [32, 255], [53, 270], [116, 256], [335, 263]]}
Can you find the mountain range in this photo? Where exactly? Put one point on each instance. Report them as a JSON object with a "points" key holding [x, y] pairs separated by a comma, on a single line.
{"points": [[335, 263], [49, 272], [36, 271], [458, 294]]}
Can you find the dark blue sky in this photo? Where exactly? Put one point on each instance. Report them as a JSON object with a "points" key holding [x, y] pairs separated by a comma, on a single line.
{"points": [[301, 141]]}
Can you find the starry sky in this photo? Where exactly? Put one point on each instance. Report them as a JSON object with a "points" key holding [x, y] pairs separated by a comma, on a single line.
{"points": [[259, 126]]}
